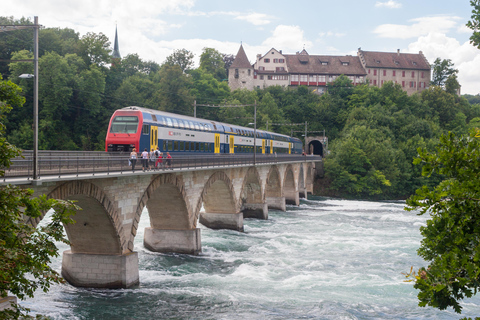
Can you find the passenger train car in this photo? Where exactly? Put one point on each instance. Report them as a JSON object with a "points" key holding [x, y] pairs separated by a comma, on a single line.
{"points": [[141, 128]]}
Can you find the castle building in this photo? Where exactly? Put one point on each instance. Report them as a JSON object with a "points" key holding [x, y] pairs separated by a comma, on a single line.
{"points": [[411, 71]]}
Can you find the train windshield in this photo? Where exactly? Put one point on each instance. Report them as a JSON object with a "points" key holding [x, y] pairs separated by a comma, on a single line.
{"points": [[124, 124]]}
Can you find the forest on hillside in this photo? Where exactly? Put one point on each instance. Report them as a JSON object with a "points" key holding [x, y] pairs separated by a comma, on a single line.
{"points": [[373, 133]]}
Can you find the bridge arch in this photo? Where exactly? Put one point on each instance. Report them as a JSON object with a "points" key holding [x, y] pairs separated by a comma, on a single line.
{"points": [[218, 195], [166, 203], [252, 197], [252, 187], [273, 186], [289, 189], [97, 229], [220, 204]]}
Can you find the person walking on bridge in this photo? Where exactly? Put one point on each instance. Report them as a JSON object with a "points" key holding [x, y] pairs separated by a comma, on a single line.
{"points": [[133, 158], [169, 161], [159, 159], [145, 159]]}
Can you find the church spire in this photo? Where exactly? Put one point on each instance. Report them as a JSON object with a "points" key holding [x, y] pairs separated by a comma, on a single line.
{"points": [[116, 50]]}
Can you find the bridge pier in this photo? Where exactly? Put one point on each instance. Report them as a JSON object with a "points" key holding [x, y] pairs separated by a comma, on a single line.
{"points": [[231, 221], [277, 203], [292, 198], [179, 241], [255, 210], [302, 193], [100, 270]]}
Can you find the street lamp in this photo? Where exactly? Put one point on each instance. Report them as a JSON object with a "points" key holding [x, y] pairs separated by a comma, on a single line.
{"points": [[35, 118]]}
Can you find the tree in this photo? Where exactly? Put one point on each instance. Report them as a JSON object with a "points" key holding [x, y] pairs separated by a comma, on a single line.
{"points": [[181, 57], [450, 244], [173, 94], [25, 251], [228, 60], [442, 70], [474, 23], [211, 61], [95, 48]]}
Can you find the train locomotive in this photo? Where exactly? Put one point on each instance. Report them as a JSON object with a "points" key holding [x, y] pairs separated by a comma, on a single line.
{"points": [[142, 128]]}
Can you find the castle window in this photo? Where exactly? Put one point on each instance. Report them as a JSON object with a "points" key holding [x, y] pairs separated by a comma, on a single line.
{"points": [[266, 60], [236, 73], [279, 69], [249, 72]]}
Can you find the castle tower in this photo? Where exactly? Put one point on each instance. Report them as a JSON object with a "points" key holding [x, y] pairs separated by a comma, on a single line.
{"points": [[240, 73]]}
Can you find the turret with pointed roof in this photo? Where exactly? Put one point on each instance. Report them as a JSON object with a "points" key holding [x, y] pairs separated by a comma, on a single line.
{"points": [[116, 50], [240, 73]]}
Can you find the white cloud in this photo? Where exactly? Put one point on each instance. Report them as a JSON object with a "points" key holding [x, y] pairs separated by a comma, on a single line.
{"points": [[331, 34], [389, 4], [465, 57], [419, 27], [256, 19], [287, 38]]}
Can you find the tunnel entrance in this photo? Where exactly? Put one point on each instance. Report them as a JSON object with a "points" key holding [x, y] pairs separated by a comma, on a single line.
{"points": [[315, 147]]}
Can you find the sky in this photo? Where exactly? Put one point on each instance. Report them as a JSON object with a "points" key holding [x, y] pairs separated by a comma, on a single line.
{"points": [[154, 29]]}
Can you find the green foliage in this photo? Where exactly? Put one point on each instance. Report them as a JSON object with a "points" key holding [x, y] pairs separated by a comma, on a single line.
{"points": [[474, 23], [25, 251], [181, 57], [211, 61], [173, 94], [442, 70], [450, 239]]}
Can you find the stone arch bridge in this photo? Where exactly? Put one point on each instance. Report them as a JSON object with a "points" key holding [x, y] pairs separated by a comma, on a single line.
{"points": [[102, 252]]}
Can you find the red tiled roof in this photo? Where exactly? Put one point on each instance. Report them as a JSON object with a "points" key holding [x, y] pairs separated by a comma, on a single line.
{"points": [[394, 60], [313, 64], [241, 60]]}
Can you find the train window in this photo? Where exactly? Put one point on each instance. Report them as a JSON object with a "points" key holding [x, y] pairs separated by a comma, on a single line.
{"points": [[201, 126], [207, 147], [182, 145], [164, 145], [124, 124], [145, 129], [175, 123], [196, 146], [154, 117], [202, 147], [169, 122], [187, 146], [196, 126], [214, 126], [187, 126], [180, 123], [175, 145], [192, 126], [170, 145]]}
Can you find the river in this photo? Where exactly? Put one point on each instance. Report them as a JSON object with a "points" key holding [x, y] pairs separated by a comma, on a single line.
{"points": [[325, 259]]}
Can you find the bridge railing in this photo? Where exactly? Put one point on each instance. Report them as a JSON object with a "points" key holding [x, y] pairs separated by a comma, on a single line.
{"points": [[60, 164]]}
